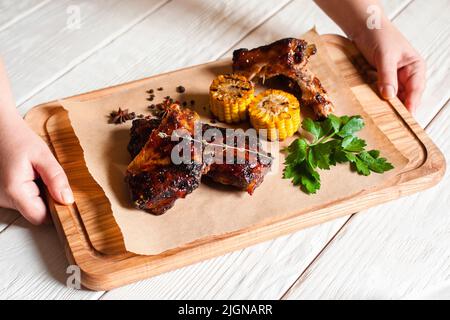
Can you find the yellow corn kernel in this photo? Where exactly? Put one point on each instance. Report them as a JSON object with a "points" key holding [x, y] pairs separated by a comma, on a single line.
{"points": [[277, 111], [229, 97]]}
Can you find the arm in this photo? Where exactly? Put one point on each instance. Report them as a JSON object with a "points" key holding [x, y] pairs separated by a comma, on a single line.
{"points": [[401, 70], [23, 158]]}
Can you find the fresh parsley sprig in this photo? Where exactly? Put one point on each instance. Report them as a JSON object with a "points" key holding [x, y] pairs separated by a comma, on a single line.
{"points": [[333, 141]]}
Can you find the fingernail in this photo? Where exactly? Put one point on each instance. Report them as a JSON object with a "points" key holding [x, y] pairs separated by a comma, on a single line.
{"points": [[67, 196], [387, 91]]}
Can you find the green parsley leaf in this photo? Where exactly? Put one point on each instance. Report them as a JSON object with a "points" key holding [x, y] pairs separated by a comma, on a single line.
{"points": [[331, 125], [321, 154], [313, 127], [310, 179], [334, 142], [338, 156], [353, 125], [311, 159], [350, 156], [303, 175], [297, 151], [361, 167], [374, 153], [289, 172], [344, 119], [378, 165], [352, 143]]}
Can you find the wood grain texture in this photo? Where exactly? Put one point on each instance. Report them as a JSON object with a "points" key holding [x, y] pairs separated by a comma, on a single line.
{"points": [[72, 85], [104, 233], [203, 31], [105, 272], [125, 53], [13, 11], [429, 34], [51, 47], [300, 16], [394, 251], [293, 21], [34, 270], [262, 271]]}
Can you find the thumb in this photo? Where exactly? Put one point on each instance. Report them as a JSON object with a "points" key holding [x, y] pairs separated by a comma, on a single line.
{"points": [[387, 77], [54, 178]]}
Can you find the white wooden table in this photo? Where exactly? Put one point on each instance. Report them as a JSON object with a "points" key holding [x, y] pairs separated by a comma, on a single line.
{"points": [[397, 250]]}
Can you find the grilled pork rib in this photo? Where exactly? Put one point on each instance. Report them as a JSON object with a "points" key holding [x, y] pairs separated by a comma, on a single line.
{"points": [[247, 162], [154, 188], [154, 181], [286, 57], [140, 132]]}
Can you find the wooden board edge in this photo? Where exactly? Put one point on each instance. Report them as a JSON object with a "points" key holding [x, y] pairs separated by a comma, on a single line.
{"points": [[98, 272], [435, 160]]}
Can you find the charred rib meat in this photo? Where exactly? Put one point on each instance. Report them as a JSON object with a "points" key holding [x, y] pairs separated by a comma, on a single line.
{"points": [[244, 166], [155, 182], [286, 57], [140, 132]]}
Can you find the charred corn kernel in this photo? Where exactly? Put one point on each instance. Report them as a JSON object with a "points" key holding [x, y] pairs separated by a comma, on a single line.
{"points": [[230, 96], [276, 111]]}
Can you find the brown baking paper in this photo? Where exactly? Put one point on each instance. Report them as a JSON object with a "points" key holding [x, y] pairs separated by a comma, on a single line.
{"points": [[212, 209]]}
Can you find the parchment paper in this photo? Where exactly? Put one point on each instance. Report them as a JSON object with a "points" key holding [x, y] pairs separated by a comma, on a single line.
{"points": [[212, 209]]}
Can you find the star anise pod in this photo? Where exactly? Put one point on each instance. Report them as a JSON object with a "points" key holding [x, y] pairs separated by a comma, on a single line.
{"points": [[121, 116]]}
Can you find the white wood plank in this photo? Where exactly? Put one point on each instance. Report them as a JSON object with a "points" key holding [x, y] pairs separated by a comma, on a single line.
{"points": [[440, 292], [180, 34], [245, 283], [36, 29], [244, 274], [396, 250], [6, 218], [301, 16], [154, 45], [247, 288], [430, 34], [427, 26], [13, 11], [262, 271], [41, 47], [33, 265]]}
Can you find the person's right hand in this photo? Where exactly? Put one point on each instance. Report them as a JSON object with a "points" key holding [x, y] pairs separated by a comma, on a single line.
{"points": [[24, 157], [401, 69]]}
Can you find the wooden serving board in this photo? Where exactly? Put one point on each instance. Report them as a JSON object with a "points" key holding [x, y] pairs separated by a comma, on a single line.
{"points": [[106, 264]]}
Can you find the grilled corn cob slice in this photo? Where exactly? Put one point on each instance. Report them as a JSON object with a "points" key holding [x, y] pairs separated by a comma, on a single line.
{"points": [[276, 111], [230, 96]]}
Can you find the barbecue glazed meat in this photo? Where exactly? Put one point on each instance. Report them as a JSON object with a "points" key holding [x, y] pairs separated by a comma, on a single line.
{"points": [[286, 57], [140, 132], [247, 162], [154, 180], [246, 170]]}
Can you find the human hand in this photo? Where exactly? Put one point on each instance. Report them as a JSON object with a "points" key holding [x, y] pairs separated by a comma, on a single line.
{"points": [[24, 157], [401, 69]]}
